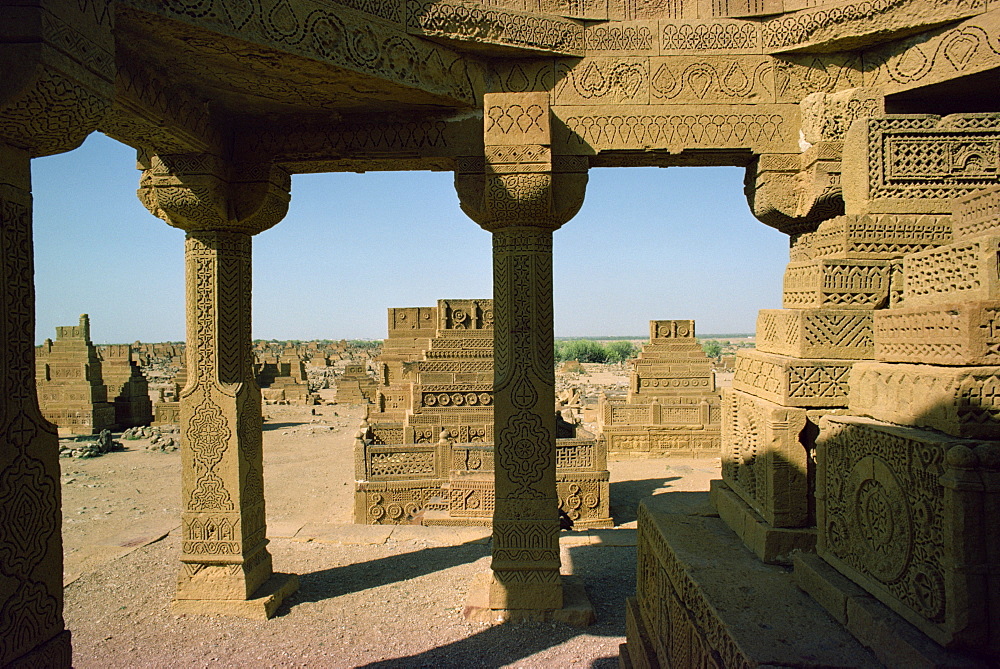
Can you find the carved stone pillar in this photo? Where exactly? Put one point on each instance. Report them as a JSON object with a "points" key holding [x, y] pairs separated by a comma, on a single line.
{"points": [[31, 623], [521, 194], [225, 564], [57, 69]]}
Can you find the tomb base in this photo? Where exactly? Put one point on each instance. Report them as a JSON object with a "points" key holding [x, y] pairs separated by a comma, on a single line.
{"points": [[894, 641], [703, 600], [261, 606], [576, 609], [773, 545]]}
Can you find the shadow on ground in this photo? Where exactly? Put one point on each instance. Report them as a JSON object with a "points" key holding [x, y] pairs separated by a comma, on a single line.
{"points": [[280, 426], [336, 581], [608, 573], [493, 647], [626, 495]]}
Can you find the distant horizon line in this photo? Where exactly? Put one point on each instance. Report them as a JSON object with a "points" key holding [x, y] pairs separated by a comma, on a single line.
{"points": [[729, 335]]}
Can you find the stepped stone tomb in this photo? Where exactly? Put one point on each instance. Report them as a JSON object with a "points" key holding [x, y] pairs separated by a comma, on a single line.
{"points": [[859, 441], [426, 452], [71, 390], [285, 380], [672, 407], [127, 386], [355, 386], [168, 412]]}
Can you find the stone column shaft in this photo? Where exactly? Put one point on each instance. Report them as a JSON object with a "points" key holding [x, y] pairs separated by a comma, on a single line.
{"points": [[518, 191], [220, 203], [31, 560], [224, 554], [526, 518]]}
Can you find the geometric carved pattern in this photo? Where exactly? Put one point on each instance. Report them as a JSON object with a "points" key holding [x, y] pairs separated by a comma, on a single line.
{"points": [[876, 236], [839, 283], [961, 401], [977, 214], [963, 271], [815, 333], [402, 463], [930, 157], [549, 34], [763, 460], [886, 500], [29, 500], [643, 128], [961, 333], [28, 615], [793, 382]]}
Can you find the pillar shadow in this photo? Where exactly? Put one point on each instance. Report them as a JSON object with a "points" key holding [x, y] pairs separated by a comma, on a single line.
{"points": [[609, 580], [493, 647], [626, 495], [336, 581], [280, 426]]}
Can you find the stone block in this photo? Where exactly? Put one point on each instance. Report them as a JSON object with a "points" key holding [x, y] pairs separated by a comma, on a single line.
{"points": [[960, 401], [576, 608], [892, 639], [837, 283], [704, 601], [653, 441], [392, 502], [771, 545], [961, 271], [961, 333], [977, 214], [906, 514], [592, 129], [919, 163], [763, 459], [827, 116], [816, 333], [792, 382], [876, 236], [261, 606]]}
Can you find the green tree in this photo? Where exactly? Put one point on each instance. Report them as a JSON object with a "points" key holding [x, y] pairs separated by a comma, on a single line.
{"points": [[620, 351], [712, 348], [582, 350]]}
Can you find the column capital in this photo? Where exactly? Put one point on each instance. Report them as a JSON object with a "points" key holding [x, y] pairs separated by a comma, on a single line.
{"points": [[517, 182], [201, 192], [58, 74]]}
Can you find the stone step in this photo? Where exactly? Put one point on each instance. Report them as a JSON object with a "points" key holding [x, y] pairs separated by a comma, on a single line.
{"points": [[841, 283], [964, 271], [816, 333], [959, 333], [977, 214], [876, 236]]}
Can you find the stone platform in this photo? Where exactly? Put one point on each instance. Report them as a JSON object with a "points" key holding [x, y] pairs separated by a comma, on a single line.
{"points": [[704, 600]]}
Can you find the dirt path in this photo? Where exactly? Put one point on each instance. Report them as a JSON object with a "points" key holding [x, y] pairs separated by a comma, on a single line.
{"points": [[370, 596]]}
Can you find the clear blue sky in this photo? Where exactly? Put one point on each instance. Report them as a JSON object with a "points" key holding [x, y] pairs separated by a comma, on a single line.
{"points": [[648, 244]]}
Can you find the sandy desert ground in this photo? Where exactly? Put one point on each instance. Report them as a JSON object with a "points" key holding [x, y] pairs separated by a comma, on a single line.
{"points": [[370, 596]]}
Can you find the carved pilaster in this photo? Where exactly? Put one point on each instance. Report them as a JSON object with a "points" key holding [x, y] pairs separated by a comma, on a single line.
{"points": [[54, 87], [31, 623], [224, 556], [520, 192]]}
